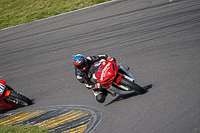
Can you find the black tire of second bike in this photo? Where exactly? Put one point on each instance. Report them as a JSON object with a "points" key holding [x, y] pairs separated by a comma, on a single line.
{"points": [[23, 100]]}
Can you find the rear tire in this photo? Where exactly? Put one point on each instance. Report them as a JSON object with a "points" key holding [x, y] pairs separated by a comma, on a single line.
{"points": [[17, 98], [132, 85]]}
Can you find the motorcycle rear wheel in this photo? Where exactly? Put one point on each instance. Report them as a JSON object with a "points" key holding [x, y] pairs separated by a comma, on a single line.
{"points": [[132, 85], [18, 98]]}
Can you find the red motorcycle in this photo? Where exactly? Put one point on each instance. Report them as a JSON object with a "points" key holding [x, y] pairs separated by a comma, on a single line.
{"points": [[114, 78], [10, 98]]}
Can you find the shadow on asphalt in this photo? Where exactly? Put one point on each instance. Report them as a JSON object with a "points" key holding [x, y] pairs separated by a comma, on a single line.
{"points": [[123, 97]]}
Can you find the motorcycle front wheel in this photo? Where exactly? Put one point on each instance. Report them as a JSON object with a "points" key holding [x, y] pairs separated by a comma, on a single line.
{"points": [[18, 98], [132, 85]]}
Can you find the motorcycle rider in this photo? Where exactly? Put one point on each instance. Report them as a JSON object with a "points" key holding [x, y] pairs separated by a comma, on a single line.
{"points": [[82, 66]]}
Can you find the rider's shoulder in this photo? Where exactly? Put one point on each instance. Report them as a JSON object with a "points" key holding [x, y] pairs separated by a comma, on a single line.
{"points": [[102, 55], [96, 58], [89, 57]]}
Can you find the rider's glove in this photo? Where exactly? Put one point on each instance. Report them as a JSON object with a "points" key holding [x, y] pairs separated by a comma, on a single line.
{"points": [[111, 59]]}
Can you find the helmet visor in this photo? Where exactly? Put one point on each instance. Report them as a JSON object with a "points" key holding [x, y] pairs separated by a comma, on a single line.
{"points": [[81, 66]]}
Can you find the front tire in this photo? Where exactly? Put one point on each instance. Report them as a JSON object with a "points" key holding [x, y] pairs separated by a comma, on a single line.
{"points": [[18, 98], [132, 85]]}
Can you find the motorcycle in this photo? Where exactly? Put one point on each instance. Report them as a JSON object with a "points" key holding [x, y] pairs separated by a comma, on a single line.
{"points": [[10, 98], [114, 78]]}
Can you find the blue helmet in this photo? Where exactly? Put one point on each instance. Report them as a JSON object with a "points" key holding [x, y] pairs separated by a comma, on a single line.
{"points": [[80, 62]]}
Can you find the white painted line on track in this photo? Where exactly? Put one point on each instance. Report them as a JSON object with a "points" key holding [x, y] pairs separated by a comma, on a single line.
{"points": [[60, 14]]}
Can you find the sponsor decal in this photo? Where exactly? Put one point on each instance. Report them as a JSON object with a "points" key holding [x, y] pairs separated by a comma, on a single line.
{"points": [[104, 71], [2, 87]]}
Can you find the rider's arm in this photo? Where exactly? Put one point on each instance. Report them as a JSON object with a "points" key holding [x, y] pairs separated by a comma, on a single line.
{"points": [[83, 79], [93, 59]]}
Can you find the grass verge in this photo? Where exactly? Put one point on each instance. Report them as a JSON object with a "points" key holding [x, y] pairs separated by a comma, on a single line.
{"points": [[22, 129], [15, 12]]}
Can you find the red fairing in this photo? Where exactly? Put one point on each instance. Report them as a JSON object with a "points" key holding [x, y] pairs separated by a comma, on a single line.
{"points": [[3, 103], [2, 82], [7, 93], [2, 86], [106, 73]]}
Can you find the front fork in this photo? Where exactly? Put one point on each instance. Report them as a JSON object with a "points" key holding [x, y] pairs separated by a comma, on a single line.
{"points": [[124, 90], [125, 76], [117, 82], [119, 79]]}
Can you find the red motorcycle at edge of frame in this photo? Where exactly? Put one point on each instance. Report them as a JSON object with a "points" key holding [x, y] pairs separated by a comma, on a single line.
{"points": [[10, 98], [114, 78]]}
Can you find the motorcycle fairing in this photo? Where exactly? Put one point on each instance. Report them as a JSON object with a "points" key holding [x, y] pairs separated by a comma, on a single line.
{"points": [[106, 73], [2, 86], [4, 104]]}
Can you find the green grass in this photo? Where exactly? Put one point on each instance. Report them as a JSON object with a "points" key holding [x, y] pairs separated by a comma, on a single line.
{"points": [[15, 12], [22, 129]]}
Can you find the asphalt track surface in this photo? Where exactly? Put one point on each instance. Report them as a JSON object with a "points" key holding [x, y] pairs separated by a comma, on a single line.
{"points": [[157, 39]]}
